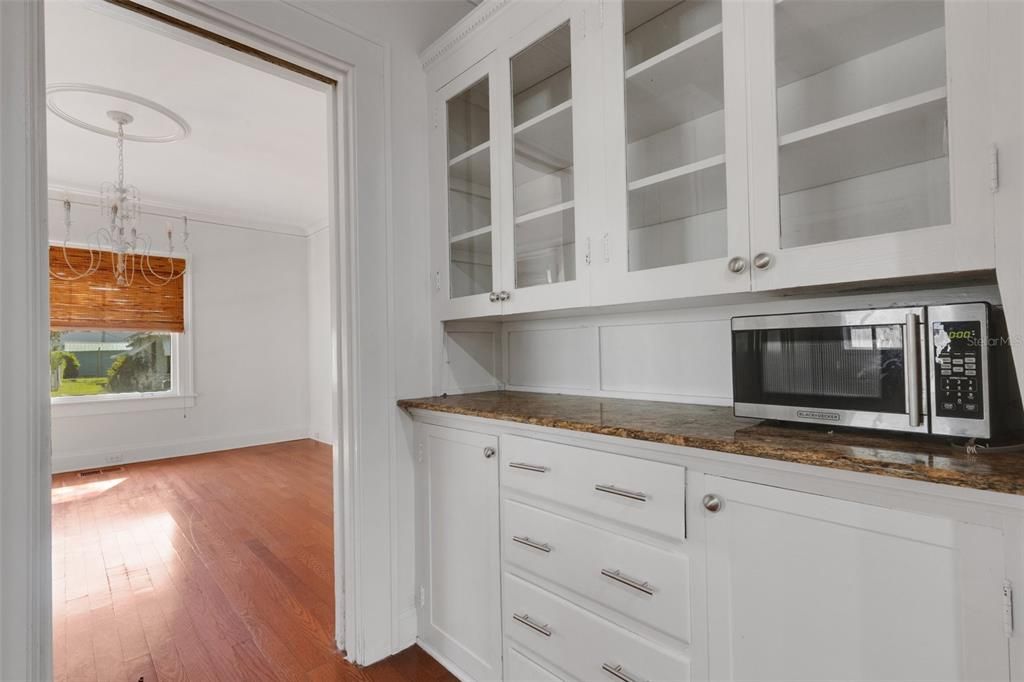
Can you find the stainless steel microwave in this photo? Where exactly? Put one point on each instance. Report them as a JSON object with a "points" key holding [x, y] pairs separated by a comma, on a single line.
{"points": [[920, 369]]}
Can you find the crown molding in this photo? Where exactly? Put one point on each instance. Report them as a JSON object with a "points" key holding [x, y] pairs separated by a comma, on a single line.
{"points": [[90, 197], [451, 38]]}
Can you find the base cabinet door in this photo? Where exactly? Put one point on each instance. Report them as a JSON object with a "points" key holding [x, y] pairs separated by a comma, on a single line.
{"points": [[460, 618], [806, 587]]}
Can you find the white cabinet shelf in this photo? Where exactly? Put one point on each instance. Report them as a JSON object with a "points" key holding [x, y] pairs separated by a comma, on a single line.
{"points": [[666, 59], [682, 84], [891, 109], [473, 166], [471, 235], [887, 137], [541, 213], [689, 168]]}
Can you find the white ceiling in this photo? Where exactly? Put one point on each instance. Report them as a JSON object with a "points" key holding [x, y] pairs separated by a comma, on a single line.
{"points": [[257, 155]]}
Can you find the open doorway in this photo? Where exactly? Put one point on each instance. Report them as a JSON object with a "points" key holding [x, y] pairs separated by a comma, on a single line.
{"points": [[189, 223]]}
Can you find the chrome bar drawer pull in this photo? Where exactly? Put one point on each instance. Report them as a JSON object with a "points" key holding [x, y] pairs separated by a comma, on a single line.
{"points": [[532, 624], [643, 586], [612, 490], [528, 467], [523, 540], [618, 673]]}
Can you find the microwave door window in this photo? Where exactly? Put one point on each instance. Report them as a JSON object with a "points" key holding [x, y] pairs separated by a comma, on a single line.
{"points": [[843, 368]]}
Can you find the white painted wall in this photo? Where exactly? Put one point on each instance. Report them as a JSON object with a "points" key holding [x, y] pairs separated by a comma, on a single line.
{"points": [[404, 27], [318, 303], [250, 334], [678, 355]]}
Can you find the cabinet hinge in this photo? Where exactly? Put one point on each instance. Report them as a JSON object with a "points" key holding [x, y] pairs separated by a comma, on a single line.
{"points": [[994, 170], [606, 248], [423, 596], [437, 280], [1008, 607], [586, 258]]}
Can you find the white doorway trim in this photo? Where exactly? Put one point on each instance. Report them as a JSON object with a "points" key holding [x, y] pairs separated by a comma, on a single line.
{"points": [[360, 234]]}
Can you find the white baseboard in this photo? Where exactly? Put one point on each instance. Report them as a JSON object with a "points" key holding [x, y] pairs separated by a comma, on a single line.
{"points": [[443, 660], [127, 454], [407, 627]]}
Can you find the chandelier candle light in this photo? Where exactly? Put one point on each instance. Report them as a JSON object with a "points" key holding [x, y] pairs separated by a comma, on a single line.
{"points": [[131, 252]]}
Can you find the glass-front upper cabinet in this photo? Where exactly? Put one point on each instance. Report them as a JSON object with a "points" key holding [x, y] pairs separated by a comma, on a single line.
{"points": [[464, 111], [677, 182], [544, 260], [868, 139]]}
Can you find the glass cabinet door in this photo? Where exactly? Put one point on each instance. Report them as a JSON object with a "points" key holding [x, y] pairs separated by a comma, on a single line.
{"points": [[470, 222], [543, 181], [675, 132], [861, 111]]}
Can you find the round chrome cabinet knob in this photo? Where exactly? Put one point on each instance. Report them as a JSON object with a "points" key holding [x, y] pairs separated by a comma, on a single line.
{"points": [[762, 261], [713, 503], [504, 296], [494, 297], [489, 452], [737, 265]]}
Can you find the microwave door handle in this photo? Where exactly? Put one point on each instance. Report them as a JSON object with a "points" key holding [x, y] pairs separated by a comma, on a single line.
{"points": [[912, 361]]}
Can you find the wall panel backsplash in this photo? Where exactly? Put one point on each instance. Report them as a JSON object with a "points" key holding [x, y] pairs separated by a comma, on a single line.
{"points": [[679, 355], [685, 359]]}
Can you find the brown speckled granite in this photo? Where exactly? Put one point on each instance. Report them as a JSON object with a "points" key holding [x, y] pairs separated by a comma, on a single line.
{"points": [[715, 428]]}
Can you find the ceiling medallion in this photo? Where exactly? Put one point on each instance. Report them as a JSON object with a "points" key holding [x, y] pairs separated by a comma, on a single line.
{"points": [[83, 105]]}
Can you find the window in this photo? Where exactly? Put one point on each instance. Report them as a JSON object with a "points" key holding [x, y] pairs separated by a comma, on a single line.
{"points": [[85, 363], [112, 344]]}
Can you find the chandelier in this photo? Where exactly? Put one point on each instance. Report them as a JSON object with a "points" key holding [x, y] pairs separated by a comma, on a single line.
{"points": [[119, 238]]}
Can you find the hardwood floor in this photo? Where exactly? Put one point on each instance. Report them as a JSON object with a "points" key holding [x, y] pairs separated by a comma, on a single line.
{"points": [[213, 567]]}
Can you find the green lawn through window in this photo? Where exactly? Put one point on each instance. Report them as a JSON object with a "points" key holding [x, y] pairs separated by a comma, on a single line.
{"points": [[82, 386]]}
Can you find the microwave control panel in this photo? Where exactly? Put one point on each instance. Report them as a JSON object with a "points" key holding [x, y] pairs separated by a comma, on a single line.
{"points": [[957, 368]]}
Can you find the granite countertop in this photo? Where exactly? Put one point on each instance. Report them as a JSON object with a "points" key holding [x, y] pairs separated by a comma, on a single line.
{"points": [[907, 456]]}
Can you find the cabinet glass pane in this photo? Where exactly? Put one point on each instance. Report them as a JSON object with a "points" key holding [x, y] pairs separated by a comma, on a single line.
{"points": [[469, 191], [545, 232], [861, 100], [675, 132]]}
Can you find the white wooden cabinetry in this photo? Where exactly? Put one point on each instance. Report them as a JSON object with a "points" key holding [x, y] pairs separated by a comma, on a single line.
{"points": [[459, 615], [772, 574], [653, 149], [677, 202], [515, 238], [871, 153], [806, 587]]}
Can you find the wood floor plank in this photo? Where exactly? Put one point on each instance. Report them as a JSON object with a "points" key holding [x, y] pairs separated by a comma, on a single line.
{"points": [[209, 568]]}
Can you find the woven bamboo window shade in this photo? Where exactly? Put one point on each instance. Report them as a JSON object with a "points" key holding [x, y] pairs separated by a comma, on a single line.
{"points": [[96, 302]]}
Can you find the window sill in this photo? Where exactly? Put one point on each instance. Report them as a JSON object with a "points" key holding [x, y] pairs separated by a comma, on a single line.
{"points": [[116, 404]]}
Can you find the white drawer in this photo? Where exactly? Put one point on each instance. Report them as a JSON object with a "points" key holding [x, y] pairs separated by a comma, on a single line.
{"points": [[636, 492], [519, 668], [580, 643], [651, 584]]}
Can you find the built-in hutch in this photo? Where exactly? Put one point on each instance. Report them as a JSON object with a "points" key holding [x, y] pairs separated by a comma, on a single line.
{"points": [[614, 154]]}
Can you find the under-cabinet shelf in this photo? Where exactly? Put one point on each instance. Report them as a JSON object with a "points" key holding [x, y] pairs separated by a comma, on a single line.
{"points": [[879, 112], [677, 172]]}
